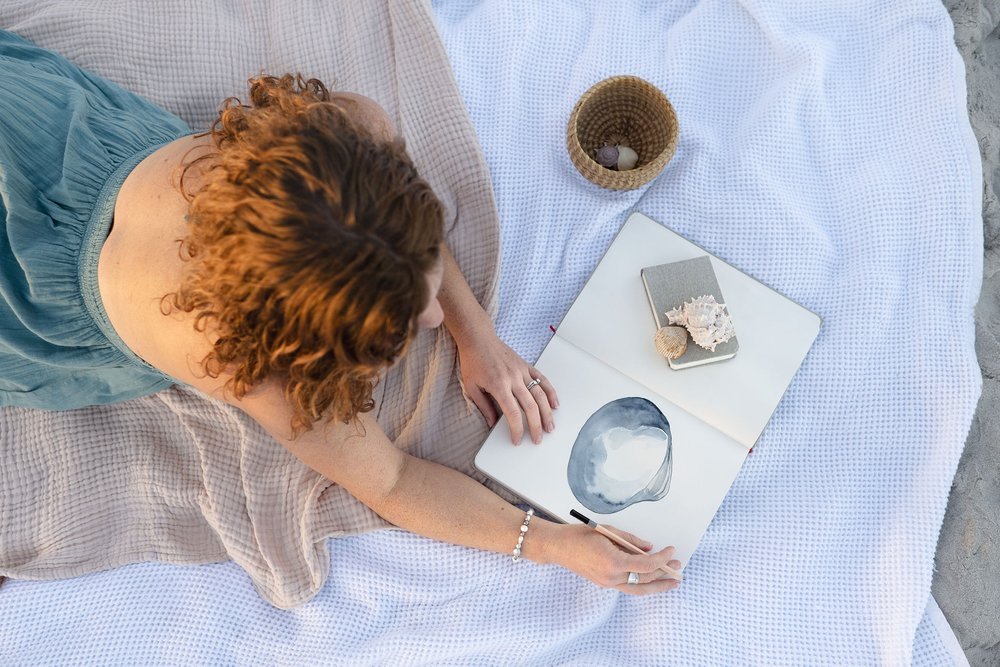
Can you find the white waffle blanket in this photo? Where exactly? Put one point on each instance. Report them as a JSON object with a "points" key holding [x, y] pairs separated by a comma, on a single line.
{"points": [[825, 149]]}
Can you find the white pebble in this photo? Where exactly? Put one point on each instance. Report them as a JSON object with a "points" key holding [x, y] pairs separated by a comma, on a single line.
{"points": [[626, 158]]}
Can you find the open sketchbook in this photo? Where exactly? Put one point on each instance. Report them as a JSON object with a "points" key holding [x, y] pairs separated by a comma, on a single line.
{"points": [[638, 445]]}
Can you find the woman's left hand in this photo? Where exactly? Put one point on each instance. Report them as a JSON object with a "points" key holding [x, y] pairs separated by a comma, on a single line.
{"points": [[494, 375]]}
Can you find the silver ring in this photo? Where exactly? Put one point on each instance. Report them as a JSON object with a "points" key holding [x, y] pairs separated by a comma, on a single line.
{"points": [[534, 383], [633, 577]]}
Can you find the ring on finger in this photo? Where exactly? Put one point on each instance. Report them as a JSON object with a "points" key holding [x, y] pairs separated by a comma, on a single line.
{"points": [[534, 383], [633, 578]]}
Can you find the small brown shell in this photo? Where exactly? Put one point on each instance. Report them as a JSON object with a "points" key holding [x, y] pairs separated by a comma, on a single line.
{"points": [[671, 342]]}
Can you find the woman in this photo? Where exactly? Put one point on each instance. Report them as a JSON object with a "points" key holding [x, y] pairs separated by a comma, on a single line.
{"points": [[279, 263]]}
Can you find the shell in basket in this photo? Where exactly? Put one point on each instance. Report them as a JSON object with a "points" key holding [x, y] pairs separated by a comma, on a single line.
{"points": [[634, 120]]}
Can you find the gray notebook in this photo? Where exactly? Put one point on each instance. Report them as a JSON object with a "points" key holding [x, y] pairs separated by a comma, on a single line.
{"points": [[669, 286]]}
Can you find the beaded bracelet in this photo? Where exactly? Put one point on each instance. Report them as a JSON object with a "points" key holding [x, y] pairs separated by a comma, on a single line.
{"points": [[515, 555]]}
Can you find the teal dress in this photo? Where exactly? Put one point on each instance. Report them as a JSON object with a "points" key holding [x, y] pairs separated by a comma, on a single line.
{"points": [[68, 139]]}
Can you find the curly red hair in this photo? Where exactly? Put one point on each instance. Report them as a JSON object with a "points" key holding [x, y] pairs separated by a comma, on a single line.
{"points": [[309, 244]]}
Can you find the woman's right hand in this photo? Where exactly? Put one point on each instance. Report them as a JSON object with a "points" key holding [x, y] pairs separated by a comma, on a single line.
{"points": [[586, 552]]}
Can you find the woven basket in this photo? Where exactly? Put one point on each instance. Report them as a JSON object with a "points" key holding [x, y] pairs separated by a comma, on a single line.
{"points": [[622, 110]]}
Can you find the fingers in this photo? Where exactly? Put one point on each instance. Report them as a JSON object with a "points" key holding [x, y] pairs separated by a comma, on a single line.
{"points": [[629, 537], [650, 562], [530, 401], [670, 569], [634, 582], [639, 579], [551, 397], [531, 409], [512, 411], [654, 566], [544, 396], [648, 587], [674, 565]]}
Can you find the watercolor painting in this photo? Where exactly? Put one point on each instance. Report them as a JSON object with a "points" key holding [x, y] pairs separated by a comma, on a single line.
{"points": [[622, 456]]}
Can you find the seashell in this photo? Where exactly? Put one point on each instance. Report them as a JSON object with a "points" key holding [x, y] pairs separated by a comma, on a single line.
{"points": [[671, 342], [706, 320], [626, 158], [607, 156]]}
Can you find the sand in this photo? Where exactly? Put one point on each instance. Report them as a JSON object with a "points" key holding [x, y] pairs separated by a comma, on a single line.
{"points": [[967, 581]]}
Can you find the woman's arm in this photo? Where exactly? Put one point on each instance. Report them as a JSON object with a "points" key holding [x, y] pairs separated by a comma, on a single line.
{"points": [[443, 504], [491, 371]]}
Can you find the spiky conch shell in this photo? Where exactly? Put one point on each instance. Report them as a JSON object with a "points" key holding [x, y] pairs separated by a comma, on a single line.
{"points": [[705, 319], [671, 342]]}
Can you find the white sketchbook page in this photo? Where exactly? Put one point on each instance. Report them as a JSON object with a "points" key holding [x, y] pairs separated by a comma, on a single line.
{"points": [[705, 462], [611, 320]]}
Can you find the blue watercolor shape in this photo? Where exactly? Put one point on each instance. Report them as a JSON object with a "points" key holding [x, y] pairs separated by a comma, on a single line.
{"points": [[622, 456]]}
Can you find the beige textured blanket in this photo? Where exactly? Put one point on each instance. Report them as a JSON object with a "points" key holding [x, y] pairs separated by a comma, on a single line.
{"points": [[180, 478]]}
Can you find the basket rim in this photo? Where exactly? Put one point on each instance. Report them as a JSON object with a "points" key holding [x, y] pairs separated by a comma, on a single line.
{"points": [[633, 178]]}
